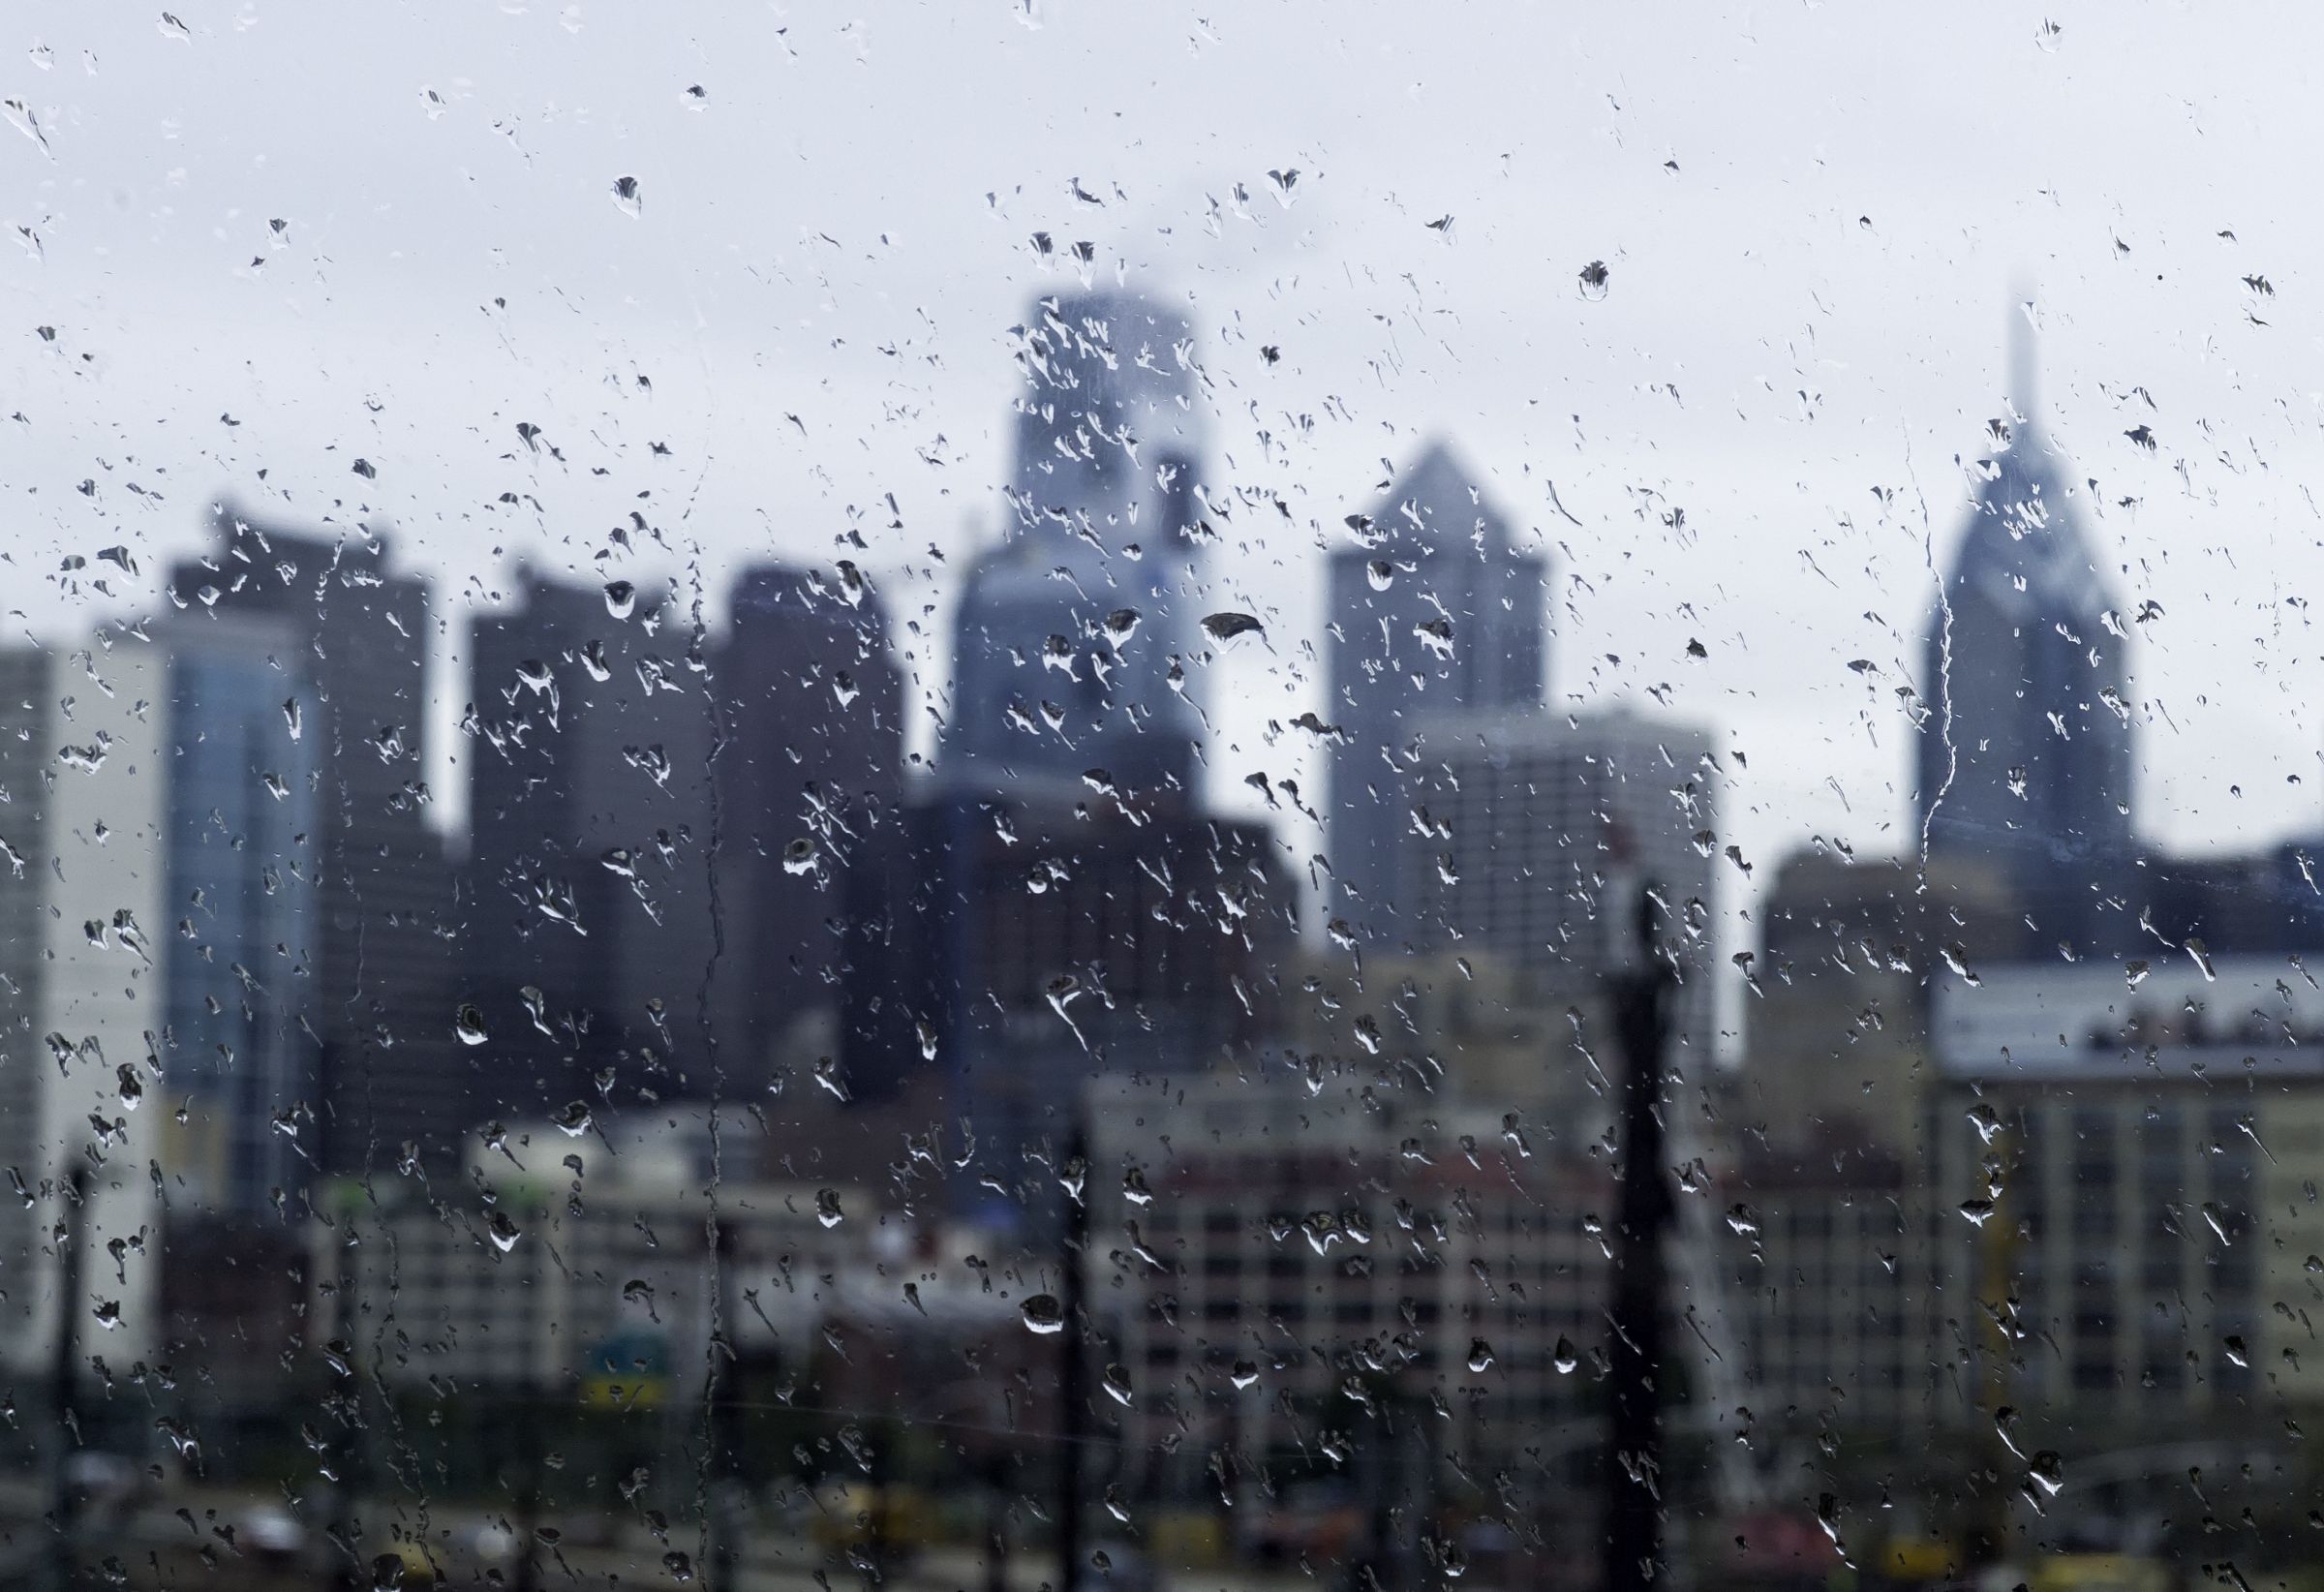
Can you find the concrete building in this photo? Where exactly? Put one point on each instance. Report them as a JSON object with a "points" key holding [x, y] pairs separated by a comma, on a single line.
{"points": [[1827, 1280], [1527, 836], [578, 1265], [1058, 941], [2118, 1152], [1284, 1252], [84, 946]]}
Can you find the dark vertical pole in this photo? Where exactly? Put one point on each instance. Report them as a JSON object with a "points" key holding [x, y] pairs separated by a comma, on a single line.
{"points": [[1642, 1002], [996, 1523], [534, 1408], [62, 1374], [720, 1424], [347, 1560], [526, 1428], [1073, 1396]]}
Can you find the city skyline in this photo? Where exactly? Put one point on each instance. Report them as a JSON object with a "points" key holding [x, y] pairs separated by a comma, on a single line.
{"points": [[1792, 321], [1053, 795]]}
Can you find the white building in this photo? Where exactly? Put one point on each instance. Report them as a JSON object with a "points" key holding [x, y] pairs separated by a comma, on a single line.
{"points": [[82, 927], [2124, 1153], [1274, 1259], [582, 1263]]}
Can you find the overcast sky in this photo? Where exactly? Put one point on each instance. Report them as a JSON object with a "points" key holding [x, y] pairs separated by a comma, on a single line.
{"points": [[389, 232]]}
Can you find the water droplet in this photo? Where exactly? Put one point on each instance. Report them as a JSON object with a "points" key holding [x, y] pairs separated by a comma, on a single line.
{"points": [[827, 1208], [468, 1024], [620, 598], [1563, 1358], [1043, 1315], [1594, 279], [627, 196], [503, 1232]]}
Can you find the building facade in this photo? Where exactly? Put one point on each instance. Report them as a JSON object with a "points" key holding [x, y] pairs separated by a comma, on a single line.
{"points": [[1438, 611]]}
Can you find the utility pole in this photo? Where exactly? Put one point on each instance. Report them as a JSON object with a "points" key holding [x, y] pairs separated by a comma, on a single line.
{"points": [[720, 1434], [348, 1562], [1643, 1000], [64, 1561], [1072, 1395], [1996, 1241]]}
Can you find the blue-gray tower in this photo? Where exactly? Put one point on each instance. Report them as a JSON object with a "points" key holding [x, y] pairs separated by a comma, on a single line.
{"points": [[1438, 612], [2025, 754], [1073, 634]]}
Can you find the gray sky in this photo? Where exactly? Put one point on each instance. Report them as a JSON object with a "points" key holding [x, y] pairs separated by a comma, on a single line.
{"points": [[1813, 218]]}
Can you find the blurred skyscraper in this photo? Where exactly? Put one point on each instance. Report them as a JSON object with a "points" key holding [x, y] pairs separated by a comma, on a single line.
{"points": [[2025, 751], [589, 813], [811, 786], [1066, 941], [1529, 836], [1438, 612], [591, 826], [307, 999], [85, 950], [1069, 634], [1072, 911]]}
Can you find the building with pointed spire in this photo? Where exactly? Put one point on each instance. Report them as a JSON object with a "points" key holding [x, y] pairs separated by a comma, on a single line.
{"points": [[1436, 612], [1068, 908], [1070, 634], [2025, 746]]}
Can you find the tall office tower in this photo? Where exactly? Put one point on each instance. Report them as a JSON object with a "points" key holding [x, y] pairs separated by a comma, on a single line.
{"points": [[1070, 634], [811, 789], [85, 930], [1067, 940], [2025, 752], [301, 868], [588, 888], [1531, 835], [1437, 612]]}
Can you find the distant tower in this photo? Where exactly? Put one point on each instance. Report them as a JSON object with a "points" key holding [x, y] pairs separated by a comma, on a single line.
{"points": [[1440, 613], [306, 990], [1066, 631], [2025, 754], [589, 806], [814, 713]]}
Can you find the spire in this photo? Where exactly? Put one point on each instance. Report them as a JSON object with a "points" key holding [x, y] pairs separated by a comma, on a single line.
{"points": [[2023, 360]]}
